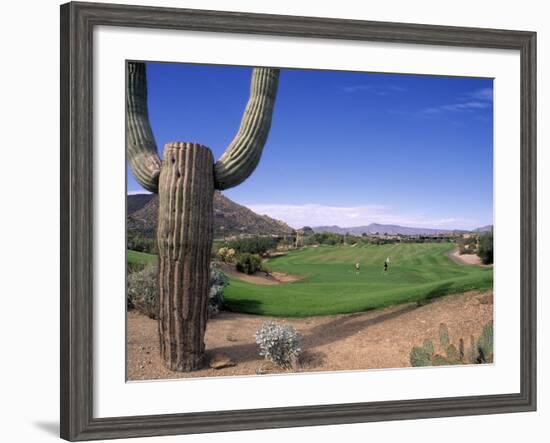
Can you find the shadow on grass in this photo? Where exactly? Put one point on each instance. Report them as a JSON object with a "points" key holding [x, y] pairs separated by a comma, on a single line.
{"points": [[244, 306], [438, 291]]}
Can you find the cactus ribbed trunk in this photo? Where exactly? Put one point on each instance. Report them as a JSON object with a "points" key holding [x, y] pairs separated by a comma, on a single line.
{"points": [[184, 235], [185, 181]]}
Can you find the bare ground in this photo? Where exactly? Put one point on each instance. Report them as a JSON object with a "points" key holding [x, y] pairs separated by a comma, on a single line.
{"points": [[374, 339], [259, 278], [466, 259]]}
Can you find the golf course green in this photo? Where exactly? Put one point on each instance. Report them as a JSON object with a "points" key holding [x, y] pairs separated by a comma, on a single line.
{"points": [[140, 258], [329, 283]]}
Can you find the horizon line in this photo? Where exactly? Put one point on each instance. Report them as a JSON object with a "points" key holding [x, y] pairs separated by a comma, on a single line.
{"points": [[380, 212]]}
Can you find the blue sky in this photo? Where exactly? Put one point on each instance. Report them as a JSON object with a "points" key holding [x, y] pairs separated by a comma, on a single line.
{"points": [[344, 148]]}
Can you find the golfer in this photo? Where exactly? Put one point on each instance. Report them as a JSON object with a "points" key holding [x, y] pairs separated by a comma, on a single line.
{"points": [[357, 267], [386, 265]]}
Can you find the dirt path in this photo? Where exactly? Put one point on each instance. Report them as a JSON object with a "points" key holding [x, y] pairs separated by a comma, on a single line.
{"points": [[374, 339], [260, 278], [466, 259]]}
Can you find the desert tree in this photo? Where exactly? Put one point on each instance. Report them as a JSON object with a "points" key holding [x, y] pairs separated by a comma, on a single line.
{"points": [[185, 180]]}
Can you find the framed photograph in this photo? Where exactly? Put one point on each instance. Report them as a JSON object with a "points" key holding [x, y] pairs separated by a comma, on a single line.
{"points": [[273, 221]]}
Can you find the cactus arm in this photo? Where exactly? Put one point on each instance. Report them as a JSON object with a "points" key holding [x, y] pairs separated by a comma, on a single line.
{"points": [[141, 147], [243, 154]]}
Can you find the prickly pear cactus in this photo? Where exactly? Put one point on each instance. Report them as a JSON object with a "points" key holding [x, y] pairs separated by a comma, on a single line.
{"points": [[479, 352]]}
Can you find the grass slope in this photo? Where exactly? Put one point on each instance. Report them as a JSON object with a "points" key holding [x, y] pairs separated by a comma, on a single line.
{"points": [[140, 258], [418, 271]]}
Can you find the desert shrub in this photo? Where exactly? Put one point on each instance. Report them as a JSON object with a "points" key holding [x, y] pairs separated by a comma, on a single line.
{"points": [[465, 250], [218, 282], [324, 238], [134, 267], [248, 263], [142, 291], [467, 245], [279, 343], [486, 248], [226, 255], [222, 252], [351, 239], [141, 243]]}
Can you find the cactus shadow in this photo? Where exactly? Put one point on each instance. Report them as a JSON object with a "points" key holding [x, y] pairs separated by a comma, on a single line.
{"points": [[346, 326], [341, 327]]}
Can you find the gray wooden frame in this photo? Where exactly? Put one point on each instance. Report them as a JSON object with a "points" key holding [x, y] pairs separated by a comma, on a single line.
{"points": [[77, 23]]}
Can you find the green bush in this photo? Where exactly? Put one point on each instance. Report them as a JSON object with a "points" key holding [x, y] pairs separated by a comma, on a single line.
{"points": [[138, 242], [486, 248], [252, 245], [324, 238], [248, 263]]}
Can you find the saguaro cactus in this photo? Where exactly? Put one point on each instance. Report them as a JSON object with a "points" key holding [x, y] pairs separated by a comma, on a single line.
{"points": [[185, 180]]}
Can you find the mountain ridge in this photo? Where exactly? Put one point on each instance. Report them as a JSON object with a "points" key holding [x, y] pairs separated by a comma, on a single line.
{"points": [[230, 218], [381, 229]]}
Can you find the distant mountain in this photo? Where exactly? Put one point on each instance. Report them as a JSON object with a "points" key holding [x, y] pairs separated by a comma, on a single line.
{"points": [[136, 202], [230, 218], [376, 228], [486, 228]]}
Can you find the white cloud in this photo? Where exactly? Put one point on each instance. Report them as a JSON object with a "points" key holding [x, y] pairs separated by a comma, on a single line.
{"points": [[466, 106], [485, 94], [313, 214], [475, 100], [138, 192]]}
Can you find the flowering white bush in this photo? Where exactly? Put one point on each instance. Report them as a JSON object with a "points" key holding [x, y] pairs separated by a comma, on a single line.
{"points": [[143, 290], [279, 343], [218, 282]]}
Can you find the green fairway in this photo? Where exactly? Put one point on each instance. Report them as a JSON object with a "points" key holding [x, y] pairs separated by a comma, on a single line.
{"points": [[330, 285], [140, 258]]}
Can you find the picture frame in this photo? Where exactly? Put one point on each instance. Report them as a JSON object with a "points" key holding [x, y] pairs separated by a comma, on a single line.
{"points": [[78, 21]]}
